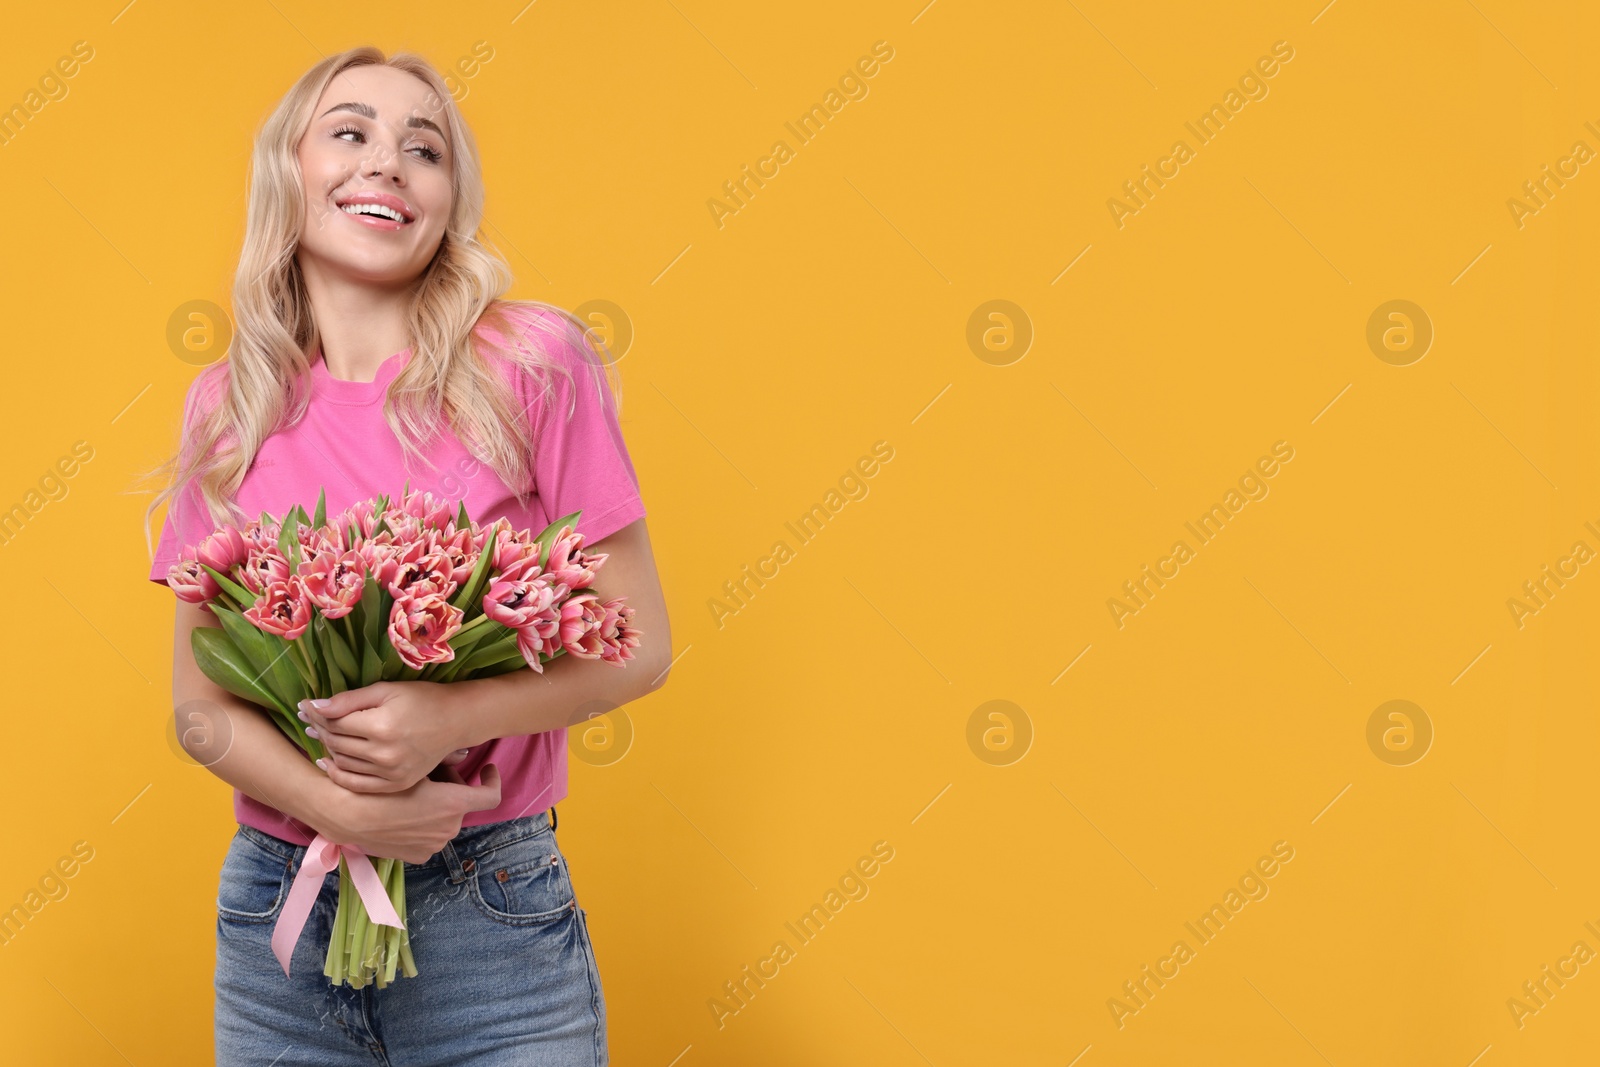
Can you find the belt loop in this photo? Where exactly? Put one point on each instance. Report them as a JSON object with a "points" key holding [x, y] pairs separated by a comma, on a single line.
{"points": [[453, 864], [552, 817]]}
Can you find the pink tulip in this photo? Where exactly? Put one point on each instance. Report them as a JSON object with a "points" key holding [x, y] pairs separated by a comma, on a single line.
{"points": [[582, 615], [420, 629], [385, 555], [308, 536], [262, 567], [515, 601], [570, 565], [532, 646], [282, 608], [511, 548], [334, 581], [191, 582], [405, 528], [617, 632], [460, 549], [429, 574], [375, 553], [320, 539], [527, 569], [362, 516], [258, 536], [223, 550], [433, 512]]}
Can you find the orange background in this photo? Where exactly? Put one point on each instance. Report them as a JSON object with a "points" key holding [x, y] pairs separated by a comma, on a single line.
{"points": [[1040, 859]]}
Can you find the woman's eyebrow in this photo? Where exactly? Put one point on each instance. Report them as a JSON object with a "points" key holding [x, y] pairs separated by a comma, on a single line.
{"points": [[414, 121]]}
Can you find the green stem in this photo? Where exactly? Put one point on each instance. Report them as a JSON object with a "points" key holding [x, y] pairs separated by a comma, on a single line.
{"points": [[355, 937], [334, 967], [369, 940], [317, 660], [350, 636], [302, 666], [397, 897]]}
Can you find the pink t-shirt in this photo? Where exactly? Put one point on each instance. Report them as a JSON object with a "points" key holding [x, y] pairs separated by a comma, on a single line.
{"points": [[344, 445]]}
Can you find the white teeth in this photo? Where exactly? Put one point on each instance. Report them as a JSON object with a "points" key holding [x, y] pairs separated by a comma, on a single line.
{"points": [[373, 209]]}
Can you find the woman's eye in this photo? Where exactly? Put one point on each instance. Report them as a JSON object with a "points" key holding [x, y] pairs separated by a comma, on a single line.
{"points": [[431, 154]]}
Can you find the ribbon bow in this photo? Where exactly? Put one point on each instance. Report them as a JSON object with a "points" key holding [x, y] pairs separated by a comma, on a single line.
{"points": [[321, 857]]}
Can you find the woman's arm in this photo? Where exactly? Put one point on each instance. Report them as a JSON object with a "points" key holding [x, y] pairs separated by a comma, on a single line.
{"points": [[239, 743], [529, 702], [236, 741]]}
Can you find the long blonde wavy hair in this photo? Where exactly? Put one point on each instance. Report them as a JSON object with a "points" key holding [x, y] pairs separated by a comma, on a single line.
{"points": [[262, 384]]}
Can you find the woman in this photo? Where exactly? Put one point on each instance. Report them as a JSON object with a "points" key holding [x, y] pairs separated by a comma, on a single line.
{"points": [[372, 350]]}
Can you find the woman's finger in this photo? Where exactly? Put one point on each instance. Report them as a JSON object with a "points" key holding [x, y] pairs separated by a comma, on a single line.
{"points": [[343, 745], [356, 764], [357, 783]]}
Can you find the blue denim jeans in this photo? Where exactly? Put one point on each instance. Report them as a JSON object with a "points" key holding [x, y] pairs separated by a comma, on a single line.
{"points": [[506, 971]]}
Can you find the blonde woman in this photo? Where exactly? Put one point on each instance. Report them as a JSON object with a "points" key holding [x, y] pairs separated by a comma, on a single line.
{"points": [[372, 348]]}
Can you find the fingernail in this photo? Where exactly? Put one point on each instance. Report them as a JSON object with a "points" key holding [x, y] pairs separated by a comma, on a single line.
{"points": [[320, 764], [302, 715], [311, 731], [321, 703]]}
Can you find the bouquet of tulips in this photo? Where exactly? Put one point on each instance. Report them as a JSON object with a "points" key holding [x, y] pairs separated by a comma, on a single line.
{"points": [[312, 606]]}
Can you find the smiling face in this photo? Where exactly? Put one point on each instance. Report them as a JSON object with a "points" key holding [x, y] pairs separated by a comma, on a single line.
{"points": [[376, 165]]}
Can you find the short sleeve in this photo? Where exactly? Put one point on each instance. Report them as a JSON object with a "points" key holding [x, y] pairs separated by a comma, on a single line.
{"points": [[187, 521], [580, 461]]}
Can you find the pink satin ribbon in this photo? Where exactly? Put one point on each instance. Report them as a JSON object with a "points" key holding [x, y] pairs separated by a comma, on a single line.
{"points": [[321, 857]]}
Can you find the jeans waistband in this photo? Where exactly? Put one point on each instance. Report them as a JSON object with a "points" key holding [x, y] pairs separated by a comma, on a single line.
{"points": [[459, 853]]}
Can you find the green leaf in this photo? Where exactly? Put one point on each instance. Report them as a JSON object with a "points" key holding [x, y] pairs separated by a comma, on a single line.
{"points": [[289, 542], [222, 662], [467, 640], [231, 587], [374, 600], [371, 665], [471, 592], [320, 519], [315, 643], [503, 645], [463, 520], [268, 656], [332, 641], [317, 663], [392, 663]]}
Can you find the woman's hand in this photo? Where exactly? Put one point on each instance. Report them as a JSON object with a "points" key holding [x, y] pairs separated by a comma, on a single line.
{"points": [[386, 737], [412, 824]]}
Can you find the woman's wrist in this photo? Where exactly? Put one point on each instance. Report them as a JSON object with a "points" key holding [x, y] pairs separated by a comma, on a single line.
{"points": [[319, 803]]}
